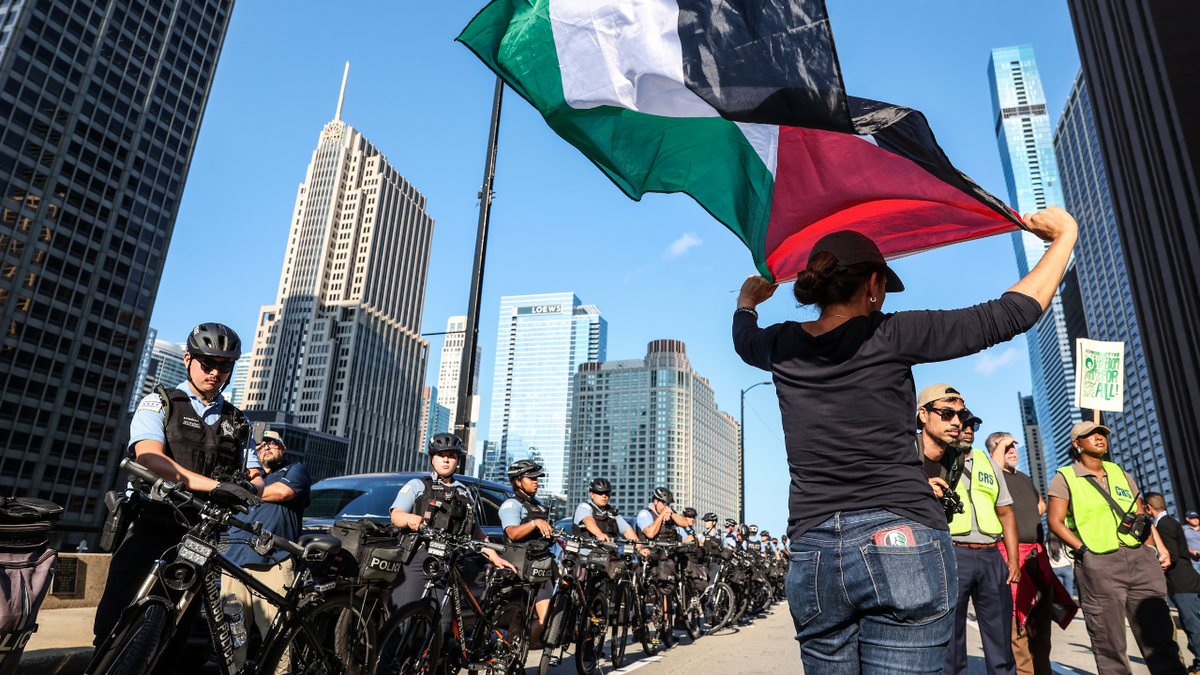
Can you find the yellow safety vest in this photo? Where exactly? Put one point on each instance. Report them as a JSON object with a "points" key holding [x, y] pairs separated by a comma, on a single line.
{"points": [[1091, 517], [980, 498]]}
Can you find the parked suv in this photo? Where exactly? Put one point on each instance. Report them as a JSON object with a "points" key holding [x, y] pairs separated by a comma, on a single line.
{"points": [[370, 495]]}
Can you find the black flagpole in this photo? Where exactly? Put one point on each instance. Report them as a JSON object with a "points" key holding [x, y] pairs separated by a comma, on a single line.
{"points": [[468, 367]]}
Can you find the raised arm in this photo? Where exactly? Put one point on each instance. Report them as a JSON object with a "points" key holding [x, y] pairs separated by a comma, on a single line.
{"points": [[1057, 227]]}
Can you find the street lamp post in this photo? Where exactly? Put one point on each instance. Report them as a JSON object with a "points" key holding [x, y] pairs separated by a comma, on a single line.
{"points": [[742, 455]]}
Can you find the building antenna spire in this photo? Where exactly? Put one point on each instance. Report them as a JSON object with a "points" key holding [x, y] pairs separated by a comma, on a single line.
{"points": [[342, 96]]}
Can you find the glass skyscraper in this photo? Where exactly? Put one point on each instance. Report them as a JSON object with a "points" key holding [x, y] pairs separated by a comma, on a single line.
{"points": [[540, 343], [1024, 136], [1107, 299], [100, 107]]}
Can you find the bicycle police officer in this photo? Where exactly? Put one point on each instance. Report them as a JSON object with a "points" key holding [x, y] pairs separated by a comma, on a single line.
{"points": [[660, 523], [711, 541], [189, 435], [525, 519], [444, 504], [598, 518], [730, 539]]}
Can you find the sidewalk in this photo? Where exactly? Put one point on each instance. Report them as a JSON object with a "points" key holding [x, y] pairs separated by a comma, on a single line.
{"points": [[63, 643]]}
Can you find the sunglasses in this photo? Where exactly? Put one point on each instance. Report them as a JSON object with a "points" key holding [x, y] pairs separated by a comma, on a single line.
{"points": [[223, 367], [948, 414]]}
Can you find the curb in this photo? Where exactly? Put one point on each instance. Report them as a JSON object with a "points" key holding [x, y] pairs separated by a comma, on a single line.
{"points": [[69, 661]]}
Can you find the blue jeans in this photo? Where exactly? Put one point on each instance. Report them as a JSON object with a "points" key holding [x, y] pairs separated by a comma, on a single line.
{"points": [[1188, 605], [1066, 574], [863, 608]]}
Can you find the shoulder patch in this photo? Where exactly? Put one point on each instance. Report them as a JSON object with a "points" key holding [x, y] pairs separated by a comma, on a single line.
{"points": [[406, 488], [507, 504], [151, 403]]}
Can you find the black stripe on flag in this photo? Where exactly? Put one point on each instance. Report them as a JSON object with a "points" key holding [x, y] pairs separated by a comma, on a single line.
{"points": [[905, 132], [764, 61]]}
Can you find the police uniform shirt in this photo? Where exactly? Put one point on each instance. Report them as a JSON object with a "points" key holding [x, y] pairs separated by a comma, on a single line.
{"points": [[279, 518], [729, 540], [1002, 499], [684, 532], [513, 512], [406, 498], [585, 510], [149, 420]]}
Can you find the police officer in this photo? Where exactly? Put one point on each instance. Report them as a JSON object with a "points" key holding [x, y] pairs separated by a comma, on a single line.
{"points": [[189, 435], [753, 543], [526, 519], [443, 503], [1117, 576], [730, 539], [711, 542], [659, 522], [767, 549], [598, 518]]}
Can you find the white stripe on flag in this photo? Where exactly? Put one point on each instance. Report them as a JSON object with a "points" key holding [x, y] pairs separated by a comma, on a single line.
{"points": [[623, 53], [764, 138]]}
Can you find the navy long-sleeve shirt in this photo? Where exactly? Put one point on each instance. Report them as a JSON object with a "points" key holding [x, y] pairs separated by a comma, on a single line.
{"points": [[849, 403]]}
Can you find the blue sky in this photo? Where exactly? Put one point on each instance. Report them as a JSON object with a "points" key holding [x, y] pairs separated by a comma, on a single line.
{"points": [[661, 268]]}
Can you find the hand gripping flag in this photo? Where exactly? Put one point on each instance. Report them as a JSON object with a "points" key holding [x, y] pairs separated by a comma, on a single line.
{"points": [[740, 104]]}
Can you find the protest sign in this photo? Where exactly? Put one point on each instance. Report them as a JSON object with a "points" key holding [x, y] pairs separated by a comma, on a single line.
{"points": [[1099, 375]]}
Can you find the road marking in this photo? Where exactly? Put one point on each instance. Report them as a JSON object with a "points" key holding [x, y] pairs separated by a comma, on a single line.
{"points": [[637, 664], [1064, 670]]}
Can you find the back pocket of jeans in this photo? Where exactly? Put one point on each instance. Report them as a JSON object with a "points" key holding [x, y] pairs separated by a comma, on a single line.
{"points": [[801, 586], [910, 581]]}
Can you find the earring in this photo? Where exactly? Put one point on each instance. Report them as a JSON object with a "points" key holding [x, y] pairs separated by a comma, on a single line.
{"points": [[872, 299]]}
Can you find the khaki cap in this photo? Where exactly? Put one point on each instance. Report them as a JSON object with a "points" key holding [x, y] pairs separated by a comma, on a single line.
{"points": [[1084, 429], [272, 436], [937, 392]]}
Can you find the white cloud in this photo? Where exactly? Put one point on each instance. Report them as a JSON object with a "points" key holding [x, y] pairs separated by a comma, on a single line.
{"points": [[988, 363], [682, 244]]}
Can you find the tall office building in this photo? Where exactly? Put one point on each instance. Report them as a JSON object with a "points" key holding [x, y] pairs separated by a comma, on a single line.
{"points": [[1108, 302], [540, 343], [341, 348], [169, 370], [1024, 136], [1032, 461], [143, 369], [448, 373], [436, 415], [236, 391], [646, 423], [1140, 60], [100, 108], [493, 466]]}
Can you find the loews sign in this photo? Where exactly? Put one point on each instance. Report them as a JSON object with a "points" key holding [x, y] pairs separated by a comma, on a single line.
{"points": [[540, 309]]}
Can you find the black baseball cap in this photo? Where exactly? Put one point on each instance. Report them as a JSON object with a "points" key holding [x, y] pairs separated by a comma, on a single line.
{"points": [[853, 248]]}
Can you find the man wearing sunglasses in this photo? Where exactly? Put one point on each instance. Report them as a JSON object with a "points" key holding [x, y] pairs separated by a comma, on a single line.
{"points": [[983, 574], [192, 436]]}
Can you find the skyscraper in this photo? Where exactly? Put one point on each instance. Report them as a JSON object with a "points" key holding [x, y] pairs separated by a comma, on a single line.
{"points": [[1107, 296], [1032, 461], [436, 416], [1139, 59], [100, 104], [168, 365], [1024, 136], [448, 372], [540, 343], [341, 348], [143, 369], [236, 391], [648, 423]]}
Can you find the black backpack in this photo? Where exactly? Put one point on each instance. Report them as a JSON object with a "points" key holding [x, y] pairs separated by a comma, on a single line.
{"points": [[27, 566]]}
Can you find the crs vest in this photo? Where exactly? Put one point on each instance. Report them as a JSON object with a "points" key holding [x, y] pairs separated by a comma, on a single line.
{"points": [[667, 533], [534, 510], [1090, 517], [447, 507], [606, 520], [981, 498], [196, 446]]}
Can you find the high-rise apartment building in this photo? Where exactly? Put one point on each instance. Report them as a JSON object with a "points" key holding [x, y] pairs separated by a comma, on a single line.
{"points": [[341, 347], [653, 422], [100, 108], [540, 343], [1032, 460], [436, 416], [448, 373], [1024, 136], [1139, 59], [1108, 302]]}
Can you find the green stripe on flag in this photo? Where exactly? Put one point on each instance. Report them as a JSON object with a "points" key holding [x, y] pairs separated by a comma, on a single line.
{"points": [[708, 158]]}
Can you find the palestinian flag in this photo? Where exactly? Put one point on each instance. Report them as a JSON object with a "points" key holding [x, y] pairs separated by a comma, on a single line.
{"points": [[740, 104]]}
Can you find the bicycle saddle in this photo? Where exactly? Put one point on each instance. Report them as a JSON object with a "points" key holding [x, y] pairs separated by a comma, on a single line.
{"points": [[319, 546]]}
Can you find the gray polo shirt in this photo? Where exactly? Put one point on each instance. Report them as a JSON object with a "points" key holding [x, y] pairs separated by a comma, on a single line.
{"points": [[1002, 499]]}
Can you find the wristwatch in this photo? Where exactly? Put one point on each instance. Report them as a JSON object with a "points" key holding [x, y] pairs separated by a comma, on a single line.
{"points": [[1080, 551]]}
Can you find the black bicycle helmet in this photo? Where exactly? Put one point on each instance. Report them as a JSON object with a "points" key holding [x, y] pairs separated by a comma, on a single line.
{"points": [[730, 522], [525, 468], [600, 486], [689, 512], [743, 531], [664, 495], [765, 535], [216, 340], [446, 441], [753, 529], [710, 517]]}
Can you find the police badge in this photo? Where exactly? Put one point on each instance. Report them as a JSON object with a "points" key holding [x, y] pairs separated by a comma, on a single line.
{"points": [[227, 428]]}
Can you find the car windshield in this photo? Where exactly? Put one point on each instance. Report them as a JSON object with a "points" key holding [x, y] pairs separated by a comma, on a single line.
{"points": [[352, 499]]}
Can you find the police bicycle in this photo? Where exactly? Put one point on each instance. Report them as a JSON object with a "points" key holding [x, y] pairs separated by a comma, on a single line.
{"points": [[687, 597], [316, 630], [492, 636], [579, 611], [718, 600]]}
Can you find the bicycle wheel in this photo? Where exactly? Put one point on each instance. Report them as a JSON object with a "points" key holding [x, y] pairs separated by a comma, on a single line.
{"points": [[330, 635], [670, 614], [691, 612], [622, 617], [134, 647], [593, 625], [410, 642], [550, 637], [720, 605], [650, 612], [512, 647]]}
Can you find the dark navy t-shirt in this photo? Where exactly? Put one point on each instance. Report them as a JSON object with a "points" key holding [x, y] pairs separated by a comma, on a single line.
{"points": [[281, 519]]}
